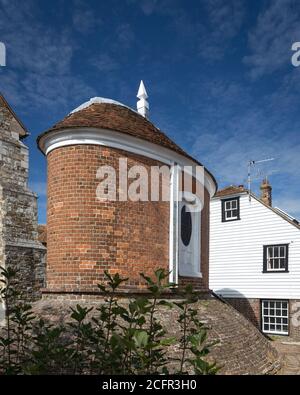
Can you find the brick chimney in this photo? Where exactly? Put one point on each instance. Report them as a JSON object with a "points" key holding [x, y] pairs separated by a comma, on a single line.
{"points": [[266, 192]]}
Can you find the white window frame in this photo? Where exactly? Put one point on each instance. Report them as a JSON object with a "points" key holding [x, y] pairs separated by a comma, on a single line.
{"points": [[231, 209], [272, 321], [271, 257], [192, 269]]}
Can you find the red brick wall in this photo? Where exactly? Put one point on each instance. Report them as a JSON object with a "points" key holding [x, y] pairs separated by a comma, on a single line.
{"points": [[250, 308], [86, 236]]}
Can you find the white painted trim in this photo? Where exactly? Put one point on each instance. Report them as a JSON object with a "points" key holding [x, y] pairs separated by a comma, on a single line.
{"points": [[194, 270], [114, 139], [173, 233]]}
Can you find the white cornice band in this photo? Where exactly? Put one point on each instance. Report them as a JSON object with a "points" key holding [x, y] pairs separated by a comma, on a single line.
{"points": [[108, 138]]}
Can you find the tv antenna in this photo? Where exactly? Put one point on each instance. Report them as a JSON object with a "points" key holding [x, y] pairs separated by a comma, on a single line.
{"points": [[251, 165]]}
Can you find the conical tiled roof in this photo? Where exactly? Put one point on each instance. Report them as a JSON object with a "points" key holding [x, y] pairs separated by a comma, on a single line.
{"points": [[115, 116]]}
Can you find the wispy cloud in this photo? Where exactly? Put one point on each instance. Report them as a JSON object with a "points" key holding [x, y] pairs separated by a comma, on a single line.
{"points": [[234, 126], [207, 32], [105, 63], [224, 21], [125, 35], [271, 39], [84, 18], [42, 55]]}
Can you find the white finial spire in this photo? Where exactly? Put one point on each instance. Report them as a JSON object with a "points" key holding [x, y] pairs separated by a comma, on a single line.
{"points": [[142, 104]]}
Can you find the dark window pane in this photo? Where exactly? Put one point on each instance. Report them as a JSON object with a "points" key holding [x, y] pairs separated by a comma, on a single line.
{"points": [[282, 263], [186, 226]]}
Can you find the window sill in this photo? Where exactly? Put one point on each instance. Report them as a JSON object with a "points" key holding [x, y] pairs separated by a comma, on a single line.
{"points": [[275, 271], [188, 273], [270, 333], [231, 220]]}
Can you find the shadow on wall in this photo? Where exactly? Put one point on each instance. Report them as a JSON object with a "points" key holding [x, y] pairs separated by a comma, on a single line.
{"points": [[248, 308]]}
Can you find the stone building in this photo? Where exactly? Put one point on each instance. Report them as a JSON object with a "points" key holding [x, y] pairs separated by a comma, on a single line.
{"points": [[19, 246]]}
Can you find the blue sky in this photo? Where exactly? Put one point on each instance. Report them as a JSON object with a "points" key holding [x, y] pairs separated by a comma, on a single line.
{"points": [[218, 74]]}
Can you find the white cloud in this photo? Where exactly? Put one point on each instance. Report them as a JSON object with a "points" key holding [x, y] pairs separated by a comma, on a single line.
{"points": [[43, 56], [225, 19], [271, 39], [85, 20], [105, 63], [232, 127]]}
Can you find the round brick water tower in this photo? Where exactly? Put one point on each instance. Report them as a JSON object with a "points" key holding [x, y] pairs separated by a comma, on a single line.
{"points": [[126, 230], [132, 231]]}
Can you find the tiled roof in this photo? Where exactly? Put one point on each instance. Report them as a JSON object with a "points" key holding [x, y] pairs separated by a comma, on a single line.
{"points": [[235, 190], [231, 190], [119, 118]]}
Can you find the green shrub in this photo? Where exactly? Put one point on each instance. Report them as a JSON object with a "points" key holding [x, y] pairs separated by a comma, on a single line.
{"points": [[113, 338]]}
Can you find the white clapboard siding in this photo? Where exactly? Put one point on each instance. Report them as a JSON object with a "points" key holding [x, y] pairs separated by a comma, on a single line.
{"points": [[236, 253]]}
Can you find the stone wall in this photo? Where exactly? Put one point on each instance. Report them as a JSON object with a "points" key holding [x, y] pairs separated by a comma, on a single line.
{"points": [[19, 245], [295, 319]]}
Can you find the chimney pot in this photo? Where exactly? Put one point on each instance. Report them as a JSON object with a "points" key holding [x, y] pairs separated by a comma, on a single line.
{"points": [[266, 192]]}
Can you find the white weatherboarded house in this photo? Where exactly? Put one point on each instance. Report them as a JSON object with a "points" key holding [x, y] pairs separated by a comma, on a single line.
{"points": [[255, 259]]}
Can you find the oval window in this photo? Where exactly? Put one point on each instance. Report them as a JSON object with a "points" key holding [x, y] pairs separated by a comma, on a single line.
{"points": [[186, 226]]}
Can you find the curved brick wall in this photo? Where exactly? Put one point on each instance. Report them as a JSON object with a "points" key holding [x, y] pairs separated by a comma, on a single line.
{"points": [[86, 236]]}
